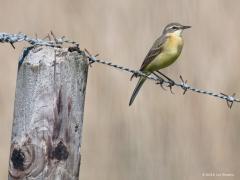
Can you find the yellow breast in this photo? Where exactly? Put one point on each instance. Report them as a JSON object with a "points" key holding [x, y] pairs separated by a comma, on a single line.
{"points": [[171, 50]]}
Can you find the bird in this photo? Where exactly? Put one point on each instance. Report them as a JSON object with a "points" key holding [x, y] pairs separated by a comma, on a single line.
{"points": [[164, 51]]}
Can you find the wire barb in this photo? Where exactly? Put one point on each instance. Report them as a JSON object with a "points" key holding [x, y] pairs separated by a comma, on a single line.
{"points": [[229, 99], [184, 85], [90, 55]]}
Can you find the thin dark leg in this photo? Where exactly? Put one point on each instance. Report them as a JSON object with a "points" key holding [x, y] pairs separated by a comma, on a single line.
{"points": [[165, 76]]}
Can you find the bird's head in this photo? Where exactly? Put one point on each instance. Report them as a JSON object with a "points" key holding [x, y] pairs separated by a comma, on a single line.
{"points": [[175, 28]]}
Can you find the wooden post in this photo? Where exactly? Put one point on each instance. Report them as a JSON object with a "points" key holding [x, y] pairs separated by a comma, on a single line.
{"points": [[48, 115]]}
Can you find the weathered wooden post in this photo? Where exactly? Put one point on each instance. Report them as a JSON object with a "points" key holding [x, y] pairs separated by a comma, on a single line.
{"points": [[48, 115]]}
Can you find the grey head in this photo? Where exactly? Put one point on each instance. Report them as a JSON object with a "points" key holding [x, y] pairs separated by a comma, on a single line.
{"points": [[172, 27]]}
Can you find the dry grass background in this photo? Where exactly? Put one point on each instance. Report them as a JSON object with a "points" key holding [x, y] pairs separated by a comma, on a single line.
{"points": [[162, 136]]}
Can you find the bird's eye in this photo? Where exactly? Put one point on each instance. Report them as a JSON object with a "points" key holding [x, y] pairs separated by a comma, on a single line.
{"points": [[174, 27]]}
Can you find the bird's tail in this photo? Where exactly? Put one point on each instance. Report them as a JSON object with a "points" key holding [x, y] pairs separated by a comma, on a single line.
{"points": [[137, 88]]}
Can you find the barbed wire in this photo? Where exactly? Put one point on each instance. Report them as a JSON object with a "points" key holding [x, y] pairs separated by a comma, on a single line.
{"points": [[230, 99], [13, 38], [57, 42]]}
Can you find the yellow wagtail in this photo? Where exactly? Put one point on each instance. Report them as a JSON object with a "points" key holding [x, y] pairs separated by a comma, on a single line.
{"points": [[164, 51]]}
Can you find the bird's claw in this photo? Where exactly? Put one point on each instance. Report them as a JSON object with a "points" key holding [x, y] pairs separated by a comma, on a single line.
{"points": [[160, 82], [171, 83]]}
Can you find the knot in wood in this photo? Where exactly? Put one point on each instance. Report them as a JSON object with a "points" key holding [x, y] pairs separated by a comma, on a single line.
{"points": [[18, 159], [60, 152]]}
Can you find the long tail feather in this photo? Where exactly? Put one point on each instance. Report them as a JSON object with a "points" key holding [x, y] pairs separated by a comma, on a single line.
{"points": [[136, 90]]}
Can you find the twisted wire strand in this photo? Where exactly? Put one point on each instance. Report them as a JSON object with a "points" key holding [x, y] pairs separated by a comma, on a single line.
{"points": [[56, 42], [229, 98], [13, 38]]}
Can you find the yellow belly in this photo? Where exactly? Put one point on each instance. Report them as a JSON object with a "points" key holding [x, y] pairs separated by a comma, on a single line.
{"points": [[172, 50]]}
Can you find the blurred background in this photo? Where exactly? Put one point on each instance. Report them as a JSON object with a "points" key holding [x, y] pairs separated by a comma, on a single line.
{"points": [[161, 136]]}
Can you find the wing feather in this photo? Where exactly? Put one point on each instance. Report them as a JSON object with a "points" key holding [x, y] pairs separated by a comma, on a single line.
{"points": [[155, 50]]}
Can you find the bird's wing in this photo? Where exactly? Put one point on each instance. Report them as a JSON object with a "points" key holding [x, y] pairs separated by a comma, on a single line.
{"points": [[155, 50]]}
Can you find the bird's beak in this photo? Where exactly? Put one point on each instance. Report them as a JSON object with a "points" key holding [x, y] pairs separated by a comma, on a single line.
{"points": [[186, 27]]}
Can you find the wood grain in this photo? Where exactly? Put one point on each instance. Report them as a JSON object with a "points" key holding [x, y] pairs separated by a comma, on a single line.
{"points": [[48, 115]]}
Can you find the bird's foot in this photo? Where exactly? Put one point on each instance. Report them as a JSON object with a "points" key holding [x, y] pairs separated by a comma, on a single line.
{"points": [[171, 83], [160, 81]]}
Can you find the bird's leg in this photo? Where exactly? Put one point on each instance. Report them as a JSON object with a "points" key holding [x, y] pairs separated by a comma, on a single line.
{"points": [[160, 80], [171, 83], [169, 79]]}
